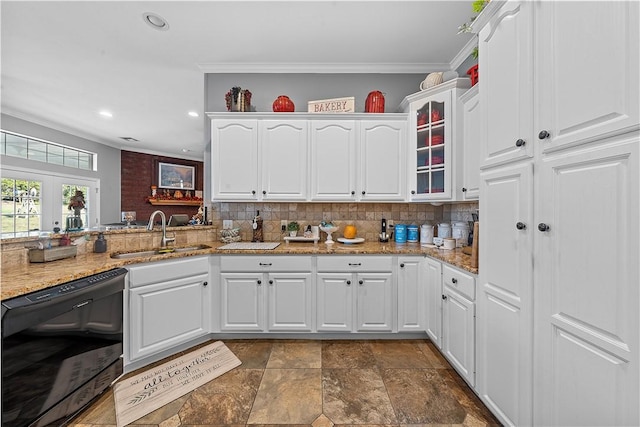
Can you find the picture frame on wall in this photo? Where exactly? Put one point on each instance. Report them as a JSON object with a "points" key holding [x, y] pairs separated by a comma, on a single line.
{"points": [[176, 176]]}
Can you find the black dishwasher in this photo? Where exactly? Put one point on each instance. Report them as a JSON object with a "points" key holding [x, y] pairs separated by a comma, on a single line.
{"points": [[61, 347]]}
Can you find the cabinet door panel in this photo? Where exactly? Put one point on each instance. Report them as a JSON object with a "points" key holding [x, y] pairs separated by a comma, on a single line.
{"points": [[283, 148], [506, 84], [382, 160], [587, 294], [335, 302], [504, 300], [167, 314], [582, 97], [411, 290], [374, 308], [234, 156], [459, 333], [433, 284], [333, 154], [471, 145], [290, 301], [242, 302]]}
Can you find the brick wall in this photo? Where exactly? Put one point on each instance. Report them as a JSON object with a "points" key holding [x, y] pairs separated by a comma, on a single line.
{"points": [[139, 173]]}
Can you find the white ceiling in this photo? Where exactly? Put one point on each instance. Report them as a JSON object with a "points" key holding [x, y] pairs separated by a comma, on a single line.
{"points": [[63, 62]]}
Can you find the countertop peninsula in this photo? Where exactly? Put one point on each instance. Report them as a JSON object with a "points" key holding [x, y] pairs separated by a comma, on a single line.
{"points": [[22, 279]]}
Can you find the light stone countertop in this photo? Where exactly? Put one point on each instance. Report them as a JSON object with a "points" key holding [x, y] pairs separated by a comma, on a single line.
{"points": [[22, 279]]}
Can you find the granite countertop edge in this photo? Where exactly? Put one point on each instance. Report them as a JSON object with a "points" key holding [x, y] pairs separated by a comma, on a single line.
{"points": [[32, 277]]}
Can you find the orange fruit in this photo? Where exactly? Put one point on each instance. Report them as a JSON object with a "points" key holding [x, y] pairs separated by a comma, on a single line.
{"points": [[350, 232]]}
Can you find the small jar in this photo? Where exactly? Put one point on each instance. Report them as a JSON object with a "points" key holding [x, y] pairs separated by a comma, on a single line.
{"points": [[100, 245], [400, 233], [412, 233]]}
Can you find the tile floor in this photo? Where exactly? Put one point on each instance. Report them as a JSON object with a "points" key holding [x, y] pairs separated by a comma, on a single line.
{"points": [[320, 384]]}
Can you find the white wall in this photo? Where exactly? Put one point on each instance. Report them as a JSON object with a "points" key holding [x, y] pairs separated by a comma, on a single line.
{"points": [[108, 162]]}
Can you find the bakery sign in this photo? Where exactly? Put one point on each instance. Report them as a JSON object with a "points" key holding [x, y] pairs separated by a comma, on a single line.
{"points": [[335, 105]]}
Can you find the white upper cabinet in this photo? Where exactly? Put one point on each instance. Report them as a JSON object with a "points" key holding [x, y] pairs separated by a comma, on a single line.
{"points": [[471, 144], [333, 160], [234, 159], [578, 103], [283, 153], [274, 169], [505, 65], [434, 142], [382, 160]]}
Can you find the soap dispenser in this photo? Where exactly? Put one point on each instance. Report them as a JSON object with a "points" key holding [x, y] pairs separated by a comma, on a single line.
{"points": [[100, 245]]}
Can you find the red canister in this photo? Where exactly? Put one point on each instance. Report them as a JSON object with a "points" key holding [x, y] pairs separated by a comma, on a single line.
{"points": [[283, 104], [374, 102]]}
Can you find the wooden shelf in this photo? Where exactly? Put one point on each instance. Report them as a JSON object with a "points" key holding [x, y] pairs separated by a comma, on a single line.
{"points": [[176, 202]]}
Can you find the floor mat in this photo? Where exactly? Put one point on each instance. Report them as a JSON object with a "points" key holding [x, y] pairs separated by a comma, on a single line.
{"points": [[141, 394]]}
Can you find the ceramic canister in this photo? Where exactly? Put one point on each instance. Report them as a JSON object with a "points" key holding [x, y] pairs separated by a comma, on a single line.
{"points": [[444, 230], [426, 234], [412, 233], [400, 233], [460, 232]]}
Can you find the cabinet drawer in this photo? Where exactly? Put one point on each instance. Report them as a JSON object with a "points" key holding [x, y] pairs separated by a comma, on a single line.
{"points": [[366, 263], [243, 263], [462, 282], [165, 271]]}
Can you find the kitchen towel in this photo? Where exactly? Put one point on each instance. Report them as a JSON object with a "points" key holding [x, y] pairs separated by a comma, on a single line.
{"points": [[141, 394]]}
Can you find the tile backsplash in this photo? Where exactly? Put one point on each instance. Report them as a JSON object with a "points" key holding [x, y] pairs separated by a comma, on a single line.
{"points": [[365, 216]]}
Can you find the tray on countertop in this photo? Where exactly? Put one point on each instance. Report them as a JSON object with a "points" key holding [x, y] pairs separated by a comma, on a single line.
{"points": [[251, 246], [301, 239], [350, 241], [52, 254]]}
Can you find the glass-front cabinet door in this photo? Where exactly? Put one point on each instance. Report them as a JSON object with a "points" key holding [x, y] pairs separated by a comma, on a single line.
{"points": [[431, 140], [434, 126], [431, 148]]}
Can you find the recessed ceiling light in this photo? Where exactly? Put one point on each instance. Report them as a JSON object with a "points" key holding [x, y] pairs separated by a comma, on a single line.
{"points": [[129, 139], [155, 21], [106, 113], [185, 150], [194, 114]]}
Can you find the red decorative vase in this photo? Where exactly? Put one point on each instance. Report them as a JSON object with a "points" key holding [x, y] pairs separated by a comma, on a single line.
{"points": [[473, 74], [283, 104], [374, 102]]}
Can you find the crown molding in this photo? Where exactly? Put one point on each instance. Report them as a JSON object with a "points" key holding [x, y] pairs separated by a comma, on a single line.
{"points": [[464, 53], [323, 68]]}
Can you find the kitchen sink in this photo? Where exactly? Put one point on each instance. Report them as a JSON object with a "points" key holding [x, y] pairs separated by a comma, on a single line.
{"points": [[158, 251]]}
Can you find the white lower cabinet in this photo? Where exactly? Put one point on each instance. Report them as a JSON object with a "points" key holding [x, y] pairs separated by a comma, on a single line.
{"points": [[263, 293], [432, 273], [458, 322], [355, 294], [168, 305], [411, 294]]}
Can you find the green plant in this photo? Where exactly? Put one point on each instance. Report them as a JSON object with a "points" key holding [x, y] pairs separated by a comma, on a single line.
{"points": [[477, 6], [293, 226]]}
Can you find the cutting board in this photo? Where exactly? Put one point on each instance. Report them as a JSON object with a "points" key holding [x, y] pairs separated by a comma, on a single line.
{"points": [[474, 247]]}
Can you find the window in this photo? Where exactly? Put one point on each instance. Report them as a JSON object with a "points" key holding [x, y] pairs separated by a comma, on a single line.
{"points": [[15, 145], [33, 201], [20, 206]]}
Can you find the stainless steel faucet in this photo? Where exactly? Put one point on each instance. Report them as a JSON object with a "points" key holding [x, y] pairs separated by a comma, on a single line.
{"points": [[165, 239]]}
